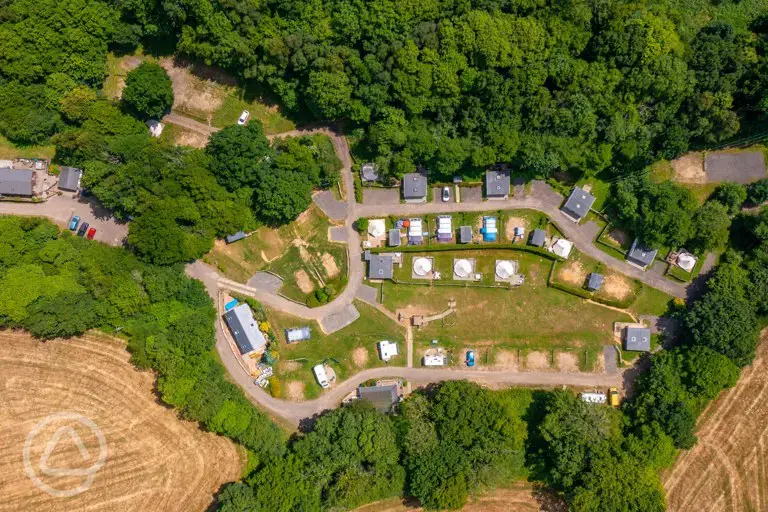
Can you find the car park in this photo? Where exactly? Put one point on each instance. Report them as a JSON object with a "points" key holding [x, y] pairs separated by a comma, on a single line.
{"points": [[83, 229], [74, 222], [470, 358], [446, 194], [91, 233], [243, 117]]}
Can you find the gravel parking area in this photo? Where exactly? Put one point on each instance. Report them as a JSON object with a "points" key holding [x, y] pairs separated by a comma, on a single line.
{"points": [[471, 194], [336, 210], [337, 321], [381, 196], [610, 356], [744, 167], [368, 294], [338, 234], [265, 281]]}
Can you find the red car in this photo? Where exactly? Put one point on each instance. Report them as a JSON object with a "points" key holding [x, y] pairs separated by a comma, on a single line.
{"points": [[91, 234]]}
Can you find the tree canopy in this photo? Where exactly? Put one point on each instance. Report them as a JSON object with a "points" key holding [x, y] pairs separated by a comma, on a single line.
{"points": [[148, 91]]}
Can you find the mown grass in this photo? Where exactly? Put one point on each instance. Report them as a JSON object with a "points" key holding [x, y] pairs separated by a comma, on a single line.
{"points": [[9, 150], [337, 349], [235, 102]]}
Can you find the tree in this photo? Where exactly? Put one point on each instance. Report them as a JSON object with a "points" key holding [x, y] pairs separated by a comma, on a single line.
{"points": [[238, 153], [665, 213], [281, 196], [148, 91], [706, 373], [732, 195], [757, 192], [710, 226]]}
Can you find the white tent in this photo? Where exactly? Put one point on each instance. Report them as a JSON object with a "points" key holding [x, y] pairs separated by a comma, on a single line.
{"points": [[376, 227], [155, 127], [422, 266], [686, 261], [562, 248], [504, 269], [462, 268]]}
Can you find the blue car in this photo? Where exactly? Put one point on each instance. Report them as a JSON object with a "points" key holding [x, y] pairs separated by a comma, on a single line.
{"points": [[470, 358], [74, 222]]}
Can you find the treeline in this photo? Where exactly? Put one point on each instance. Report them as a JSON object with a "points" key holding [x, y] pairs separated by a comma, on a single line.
{"points": [[457, 86], [54, 284]]}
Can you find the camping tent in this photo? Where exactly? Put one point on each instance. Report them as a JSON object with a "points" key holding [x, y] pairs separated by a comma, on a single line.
{"points": [[686, 261], [504, 269], [462, 268], [422, 266], [562, 247], [376, 227]]}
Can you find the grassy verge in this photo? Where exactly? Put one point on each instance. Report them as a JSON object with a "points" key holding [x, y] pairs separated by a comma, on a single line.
{"points": [[9, 150], [348, 351]]}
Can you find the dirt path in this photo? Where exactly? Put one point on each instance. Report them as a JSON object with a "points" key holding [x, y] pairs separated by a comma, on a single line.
{"points": [[190, 124]]}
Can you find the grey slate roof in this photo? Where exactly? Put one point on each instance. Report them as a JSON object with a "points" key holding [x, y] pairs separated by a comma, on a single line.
{"points": [[369, 172], [69, 178], [16, 182], [465, 234], [383, 398], [380, 266], [244, 329], [538, 237], [595, 281], [497, 183], [640, 254], [637, 339], [235, 237], [579, 203], [394, 237], [414, 186]]}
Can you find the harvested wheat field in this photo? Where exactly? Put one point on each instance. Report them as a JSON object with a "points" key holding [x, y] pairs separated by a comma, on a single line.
{"points": [[146, 459], [520, 498], [726, 470]]}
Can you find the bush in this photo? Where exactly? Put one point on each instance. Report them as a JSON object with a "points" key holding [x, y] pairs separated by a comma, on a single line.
{"points": [[361, 225], [757, 193], [358, 189], [275, 387]]}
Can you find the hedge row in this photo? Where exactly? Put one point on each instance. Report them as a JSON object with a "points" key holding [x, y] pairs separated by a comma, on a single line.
{"points": [[585, 294], [469, 247]]}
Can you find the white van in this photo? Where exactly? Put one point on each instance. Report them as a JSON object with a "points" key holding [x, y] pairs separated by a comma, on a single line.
{"points": [[321, 376]]}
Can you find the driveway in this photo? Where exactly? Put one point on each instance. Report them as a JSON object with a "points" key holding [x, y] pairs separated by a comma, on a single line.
{"points": [[61, 209], [335, 210], [381, 196], [471, 194], [190, 124], [741, 167]]}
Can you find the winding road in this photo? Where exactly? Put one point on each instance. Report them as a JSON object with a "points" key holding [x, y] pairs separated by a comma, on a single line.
{"points": [[541, 198]]}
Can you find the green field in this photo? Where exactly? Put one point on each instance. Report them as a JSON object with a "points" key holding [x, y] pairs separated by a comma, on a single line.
{"points": [[9, 150], [237, 101], [300, 246], [352, 348]]}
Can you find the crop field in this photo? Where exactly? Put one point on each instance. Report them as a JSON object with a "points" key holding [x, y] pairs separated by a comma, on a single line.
{"points": [[727, 470], [153, 460], [299, 252]]}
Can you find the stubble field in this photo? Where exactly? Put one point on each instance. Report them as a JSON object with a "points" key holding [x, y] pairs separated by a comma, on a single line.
{"points": [[152, 459], [726, 471]]}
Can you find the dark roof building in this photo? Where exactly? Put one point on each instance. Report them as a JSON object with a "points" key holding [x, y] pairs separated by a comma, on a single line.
{"points": [[383, 398], [497, 184], [465, 234], [538, 237], [394, 237], [380, 266], [245, 330], [578, 204], [69, 178], [640, 255], [235, 237], [415, 187], [369, 172], [637, 339], [297, 334], [16, 182], [594, 281]]}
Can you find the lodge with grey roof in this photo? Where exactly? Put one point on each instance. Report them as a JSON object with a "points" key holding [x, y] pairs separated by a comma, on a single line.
{"points": [[245, 330], [497, 184], [578, 204], [16, 182], [415, 188]]}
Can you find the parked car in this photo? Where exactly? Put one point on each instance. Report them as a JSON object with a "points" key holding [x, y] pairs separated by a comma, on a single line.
{"points": [[91, 233], [74, 222], [446, 194], [614, 396], [243, 117], [83, 229], [470, 358]]}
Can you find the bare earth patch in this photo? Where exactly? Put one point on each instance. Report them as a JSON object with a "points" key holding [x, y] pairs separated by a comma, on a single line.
{"points": [[360, 357], [511, 224], [689, 168], [618, 237], [726, 470], [290, 366], [617, 286], [331, 269], [295, 390], [413, 310], [303, 281], [599, 366], [505, 360], [573, 273], [567, 362], [191, 94], [537, 361], [154, 460], [189, 138]]}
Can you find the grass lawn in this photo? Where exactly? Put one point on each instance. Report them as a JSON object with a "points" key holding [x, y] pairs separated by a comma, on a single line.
{"points": [[9, 150], [651, 301], [299, 252], [531, 317], [237, 100], [601, 189], [352, 349]]}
